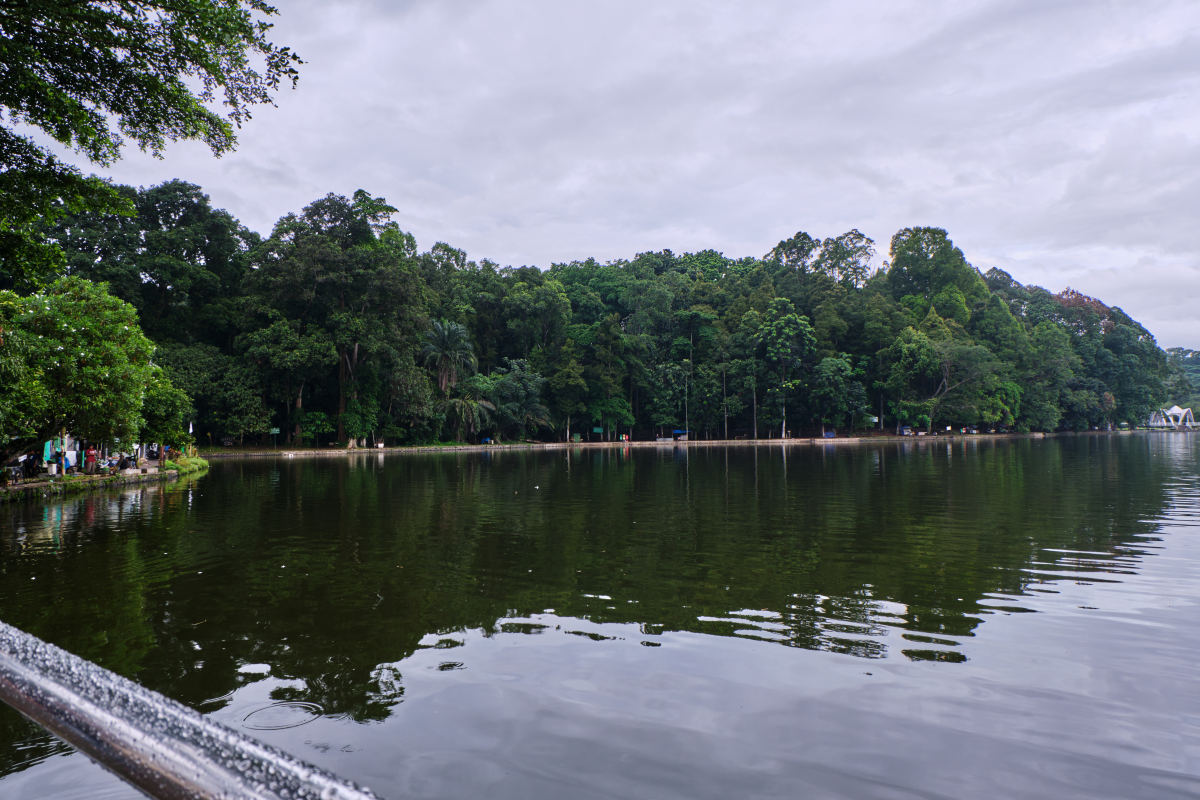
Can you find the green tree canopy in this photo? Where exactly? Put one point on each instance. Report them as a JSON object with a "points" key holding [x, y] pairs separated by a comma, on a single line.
{"points": [[178, 260], [327, 322], [447, 350], [84, 366], [925, 261], [92, 73], [788, 343]]}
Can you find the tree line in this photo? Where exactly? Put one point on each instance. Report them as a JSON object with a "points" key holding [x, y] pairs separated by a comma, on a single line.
{"points": [[336, 327], [146, 313]]}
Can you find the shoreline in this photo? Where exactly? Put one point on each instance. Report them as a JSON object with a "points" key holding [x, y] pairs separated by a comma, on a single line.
{"points": [[841, 441], [45, 489]]}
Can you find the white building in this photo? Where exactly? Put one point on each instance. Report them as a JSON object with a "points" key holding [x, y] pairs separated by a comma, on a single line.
{"points": [[1175, 418]]}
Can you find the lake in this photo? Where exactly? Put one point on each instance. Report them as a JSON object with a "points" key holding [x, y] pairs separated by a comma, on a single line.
{"points": [[916, 619]]}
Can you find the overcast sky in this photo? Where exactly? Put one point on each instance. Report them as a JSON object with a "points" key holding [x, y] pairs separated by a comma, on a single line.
{"points": [[1056, 140]]}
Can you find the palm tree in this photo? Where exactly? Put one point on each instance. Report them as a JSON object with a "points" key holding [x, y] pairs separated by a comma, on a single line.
{"points": [[448, 350], [468, 412]]}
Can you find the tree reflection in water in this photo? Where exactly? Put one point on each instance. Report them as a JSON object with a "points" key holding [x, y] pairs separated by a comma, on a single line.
{"points": [[334, 571]]}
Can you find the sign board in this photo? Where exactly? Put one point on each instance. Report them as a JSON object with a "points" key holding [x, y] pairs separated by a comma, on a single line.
{"points": [[274, 431], [597, 430]]}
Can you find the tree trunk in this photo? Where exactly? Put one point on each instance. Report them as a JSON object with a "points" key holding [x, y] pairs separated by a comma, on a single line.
{"points": [[686, 419], [343, 379], [299, 410], [754, 401], [724, 403]]}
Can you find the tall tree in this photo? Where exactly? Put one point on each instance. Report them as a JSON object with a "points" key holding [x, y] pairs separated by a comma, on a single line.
{"points": [[344, 268], [447, 350], [847, 258], [293, 354], [924, 261], [913, 376], [84, 366], [788, 343], [566, 388], [178, 260], [837, 394]]}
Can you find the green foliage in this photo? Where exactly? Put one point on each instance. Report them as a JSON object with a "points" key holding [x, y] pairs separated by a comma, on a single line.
{"points": [[1001, 404], [950, 304], [361, 416], [611, 412], [1049, 370], [796, 254], [566, 390], [35, 189], [80, 363], [91, 74], [788, 343], [335, 293], [226, 392], [447, 350], [468, 411], [913, 376], [337, 324], [1183, 382], [176, 259], [164, 409], [838, 396], [847, 258], [313, 424], [514, 393]]}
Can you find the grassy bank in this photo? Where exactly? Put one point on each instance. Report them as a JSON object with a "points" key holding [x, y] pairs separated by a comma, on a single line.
{"points": [[184, 465]]}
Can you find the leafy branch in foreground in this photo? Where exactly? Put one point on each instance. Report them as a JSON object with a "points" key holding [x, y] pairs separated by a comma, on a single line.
{"points": [[91, 74]]}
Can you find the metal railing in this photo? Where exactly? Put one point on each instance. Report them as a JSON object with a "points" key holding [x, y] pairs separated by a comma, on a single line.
{"points": [[160, 746]]}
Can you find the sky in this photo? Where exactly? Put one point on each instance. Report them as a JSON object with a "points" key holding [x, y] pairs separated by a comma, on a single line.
{"points": [[1059, 141]]}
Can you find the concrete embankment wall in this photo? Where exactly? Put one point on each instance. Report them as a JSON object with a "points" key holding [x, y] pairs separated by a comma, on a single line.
{"points": [[45, 489], [695, 443]]}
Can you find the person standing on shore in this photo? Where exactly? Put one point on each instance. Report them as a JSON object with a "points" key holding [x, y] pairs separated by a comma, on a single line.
{"points": [[89, 459]]}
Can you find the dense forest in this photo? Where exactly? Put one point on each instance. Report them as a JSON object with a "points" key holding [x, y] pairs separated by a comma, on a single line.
{"points": [[146, 314], [337, 327]]}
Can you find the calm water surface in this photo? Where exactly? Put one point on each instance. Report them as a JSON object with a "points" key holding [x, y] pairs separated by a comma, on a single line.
{"points": [[918, 620]]}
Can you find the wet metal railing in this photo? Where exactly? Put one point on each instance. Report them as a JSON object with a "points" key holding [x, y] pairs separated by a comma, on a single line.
{"points": [[160, 746]]}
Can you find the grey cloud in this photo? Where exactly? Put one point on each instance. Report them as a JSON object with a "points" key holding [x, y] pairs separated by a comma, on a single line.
{"points": [[1052, 139]]}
